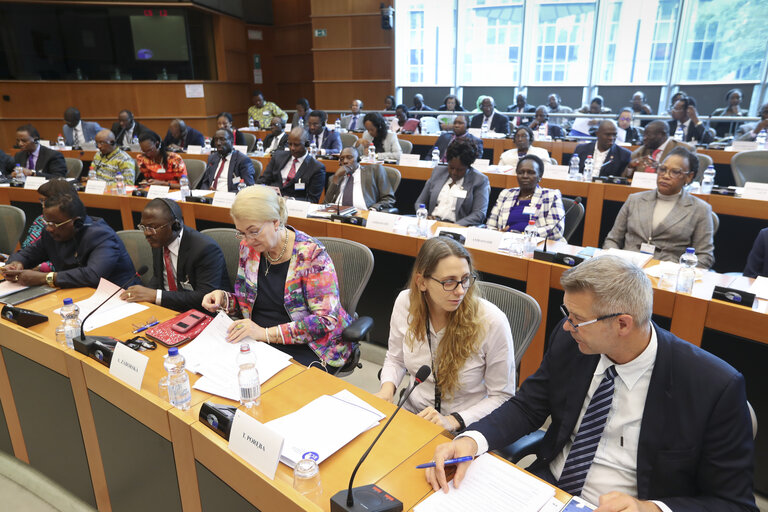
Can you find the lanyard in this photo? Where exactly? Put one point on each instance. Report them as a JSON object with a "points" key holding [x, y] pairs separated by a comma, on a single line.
{"points": [[438, 395]]}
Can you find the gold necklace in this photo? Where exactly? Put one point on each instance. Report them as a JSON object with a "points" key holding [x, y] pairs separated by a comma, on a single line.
{"points": [[271, 261]]}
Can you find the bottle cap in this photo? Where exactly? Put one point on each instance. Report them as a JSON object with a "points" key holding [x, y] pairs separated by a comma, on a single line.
{"points": [[531, 222], [690, 250], [245, 348], [422, 205], [67, 301], [173, 351]]}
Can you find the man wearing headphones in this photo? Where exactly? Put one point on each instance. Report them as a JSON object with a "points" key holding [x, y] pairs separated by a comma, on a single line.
{"points": [[37, 160], [126, 128], [186, 264], [328, 141], [365, 188], [83, 249], [684, 112], [226, 166]]}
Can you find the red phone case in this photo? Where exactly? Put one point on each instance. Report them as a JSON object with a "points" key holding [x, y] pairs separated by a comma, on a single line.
{"points": [[187, 322]]}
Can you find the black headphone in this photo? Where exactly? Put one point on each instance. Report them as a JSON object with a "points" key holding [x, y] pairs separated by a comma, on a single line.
{"points": [[175, 210]]}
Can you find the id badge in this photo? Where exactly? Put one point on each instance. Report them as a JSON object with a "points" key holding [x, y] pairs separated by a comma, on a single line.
{"points": [[160, 171], [459, 193], [648, 248], [529, 210], [299, 185]]}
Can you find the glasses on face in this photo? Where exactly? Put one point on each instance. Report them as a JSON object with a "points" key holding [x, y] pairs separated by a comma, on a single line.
{"points": [[567, 315], [250, 235], [451, 284], [149, 230], [104, 143], [54, 225], [675, 173]]}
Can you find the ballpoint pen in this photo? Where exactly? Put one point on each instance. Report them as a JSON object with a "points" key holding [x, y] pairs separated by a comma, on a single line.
{"points": [[145, 327], [446, 463]]}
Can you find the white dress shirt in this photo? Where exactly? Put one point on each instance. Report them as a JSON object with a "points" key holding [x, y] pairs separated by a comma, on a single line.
{"points": [[446, 201], [77, 134], [222, 185], [273, 145], [358, 200], [287, 168], [173, 248], [598, 159], [487, 377], [128, 137]]}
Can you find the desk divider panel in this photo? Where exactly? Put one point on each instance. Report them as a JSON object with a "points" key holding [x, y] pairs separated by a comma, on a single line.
{"points": [[216, 495], [5, 436]]}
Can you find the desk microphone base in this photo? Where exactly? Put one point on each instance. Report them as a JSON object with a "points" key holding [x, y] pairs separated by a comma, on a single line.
{"points": [[100, 348], [368, 498]]}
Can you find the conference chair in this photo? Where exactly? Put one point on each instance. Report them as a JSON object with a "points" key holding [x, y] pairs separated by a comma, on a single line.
{"points": [[195, 171], [354, 265], [250, 141], [12, 219], [74, 167], [257, 168], [348, 140], [553, 161], [430, 125], [406, 146], [230, 246], [139, 250], [715, 223], [704, 162], [750, 166], [572, 218], [393, 175]]}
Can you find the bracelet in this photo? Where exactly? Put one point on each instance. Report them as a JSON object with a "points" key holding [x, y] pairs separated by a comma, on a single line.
{"points": [[458, 418], [266, 334]]}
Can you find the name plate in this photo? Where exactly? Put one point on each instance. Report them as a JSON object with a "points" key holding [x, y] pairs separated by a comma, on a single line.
{"points": [[752, 190], [296, 208], [224, 199], [644, 180], [742, 145], [555, 172], [259, 445], [482, 162], [242, 149], [95, 187], [128, 365], [409, 159], [34, 182], [381, 221], [43, 142], [194, 150], [485, 239], [158, 191]]}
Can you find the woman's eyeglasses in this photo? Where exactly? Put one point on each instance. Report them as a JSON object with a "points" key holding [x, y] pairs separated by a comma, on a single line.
{"points": [[451, 284]]}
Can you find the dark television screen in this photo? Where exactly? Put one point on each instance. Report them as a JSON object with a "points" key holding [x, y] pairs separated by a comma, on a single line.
{"points": [[159, 38]]}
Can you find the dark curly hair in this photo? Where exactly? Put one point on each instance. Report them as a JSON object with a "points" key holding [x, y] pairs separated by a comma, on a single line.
{"points": [[464, 149]]}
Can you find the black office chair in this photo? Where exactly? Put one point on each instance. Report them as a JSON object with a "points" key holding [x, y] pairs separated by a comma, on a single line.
{"points": [[572, 218]]}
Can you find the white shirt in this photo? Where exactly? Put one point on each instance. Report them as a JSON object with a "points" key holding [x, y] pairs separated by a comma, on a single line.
{"points": [[77, 134], [487, 122], [598, 159], [128, 137], [318, 139], [510, 157], [446, 201], [358, 200], [173, 248], [487, 377], [285, 170], [222, 185], [273, 145]]}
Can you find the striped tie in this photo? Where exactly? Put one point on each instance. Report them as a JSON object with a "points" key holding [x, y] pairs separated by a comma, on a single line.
{"points": [[588, 437]]}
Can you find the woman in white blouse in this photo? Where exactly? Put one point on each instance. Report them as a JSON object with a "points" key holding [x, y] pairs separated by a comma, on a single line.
{"points": [[384, 140], [441, 321], [523, 146]]}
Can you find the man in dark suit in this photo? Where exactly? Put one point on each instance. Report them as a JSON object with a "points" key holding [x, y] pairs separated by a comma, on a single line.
{"points": [[126, 128], [362, 187], [83, 249], [295, 172], [35, 159], [6, 163], [608, 159], [684, 112], [419, 105], [459, 132], [328, 141], [226, 166], [757, 261], [494, 121], [665, 424], [521, 105], [542, 119], [354, 121], [180, 136], [277, 138], [77, 132], [186, 264]]}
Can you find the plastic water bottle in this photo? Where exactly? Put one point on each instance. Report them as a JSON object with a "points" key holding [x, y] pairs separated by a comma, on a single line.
{"points": [[135, 141], [18, 173], [259, 148], [687, 273], [588, 165], [241, 185], [530, 239], [542, 133], [92, 173], [250, 123], [435, 156], [371, 153], [573, 170], [761, 139], [421, 219], [184, 187], [301, 122], [207, 147], [179, 392], [248, 377], [70, 319], [313, 149], [60, 142], [708, 180], [120, 184], [679, 134], [337, 125]]}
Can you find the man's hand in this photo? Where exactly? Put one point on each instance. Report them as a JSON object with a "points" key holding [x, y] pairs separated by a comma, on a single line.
{"points": [[138, 293], [461, 447], [620, 502], [24, 277], [691, 111]]}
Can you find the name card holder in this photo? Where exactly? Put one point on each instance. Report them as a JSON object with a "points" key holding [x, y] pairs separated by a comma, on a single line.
{"points": [[644, 180], [224, 199], [34, 182], [95, 187], [752, 190], [128, 365], [259, 445], [158, 191], [381, 221]]}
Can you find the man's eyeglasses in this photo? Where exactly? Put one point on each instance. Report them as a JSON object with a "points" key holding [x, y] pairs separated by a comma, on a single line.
{"points": [[451, 284], [567, 315], [55, 225], [675, 173], [251, 235], [149, 230]]}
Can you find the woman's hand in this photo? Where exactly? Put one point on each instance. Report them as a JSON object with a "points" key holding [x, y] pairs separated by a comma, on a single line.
{"points": [[215, 301], [448, 422], [387, 391], [241, 329]]}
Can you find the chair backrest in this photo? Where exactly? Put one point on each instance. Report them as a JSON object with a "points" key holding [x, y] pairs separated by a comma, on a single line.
{"points": [[250, 140], [195, 171], [139, 250], [348, 140], [430, 125], [522, 310], [704, 162], [230, 246], [257, 167], [753, 416], [74, 167], [406, 146], [13, 220], [354, 264], [750, 166], [715, 223], [393, 175], [572, 218]]}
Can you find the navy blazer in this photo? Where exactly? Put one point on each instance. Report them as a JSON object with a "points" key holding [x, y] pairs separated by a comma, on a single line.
{"points": [[331, 141], [471, 210], [695, 450], [615, 161], [193, 138], [311, 173], [445, 138], [95, 252], [698, 132], [90, 129], [499, 123], [6, 163], [282, 141], [50, 163], [240, 167], [757, 262], [200, 269]]}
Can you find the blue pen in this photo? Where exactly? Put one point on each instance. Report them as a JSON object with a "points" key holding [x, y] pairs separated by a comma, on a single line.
{"points": [[446, 463], [144, 328]]}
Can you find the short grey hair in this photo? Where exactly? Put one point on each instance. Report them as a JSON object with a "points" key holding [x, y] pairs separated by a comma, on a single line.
{"points": [[619, 286]]}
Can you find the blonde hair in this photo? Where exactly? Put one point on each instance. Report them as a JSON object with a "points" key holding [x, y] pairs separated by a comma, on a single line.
{"points": [[259, 203], [465, 328]]}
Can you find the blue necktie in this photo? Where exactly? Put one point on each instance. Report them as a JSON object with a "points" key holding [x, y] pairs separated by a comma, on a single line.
{"points": [[588, 437]]}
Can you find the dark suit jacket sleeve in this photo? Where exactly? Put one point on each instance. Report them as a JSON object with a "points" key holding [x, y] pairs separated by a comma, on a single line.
{"points": [[168, 140], [476, 121], [103, 253], [271, 174], [211, 167], [157, 270], [194, 138], [479, 143], [31, 255], [316, 183], [245, 170], [332, 143], [55, 165], [757, 264], [6, 163], [501, 124]]}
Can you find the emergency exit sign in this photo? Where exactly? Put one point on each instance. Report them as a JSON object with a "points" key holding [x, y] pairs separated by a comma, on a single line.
{"points": [[320, 32]]}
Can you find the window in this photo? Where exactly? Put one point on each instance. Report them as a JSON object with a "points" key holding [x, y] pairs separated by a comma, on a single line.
{"points": [[424, 53]]}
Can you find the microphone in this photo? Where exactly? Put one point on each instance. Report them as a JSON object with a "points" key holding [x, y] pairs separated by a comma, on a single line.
{"points": [[545, 255], [101, 346], [371, 498]]}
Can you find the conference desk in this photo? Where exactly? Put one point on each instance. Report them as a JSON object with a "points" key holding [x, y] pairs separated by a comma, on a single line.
{"points": [[123, 449]]}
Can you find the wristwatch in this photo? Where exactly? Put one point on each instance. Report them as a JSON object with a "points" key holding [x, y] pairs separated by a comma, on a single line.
{"points": [[49, 279], [459, 419]]}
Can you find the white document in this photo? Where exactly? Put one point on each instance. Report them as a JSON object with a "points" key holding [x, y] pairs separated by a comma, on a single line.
{"points": [[128, 365], [34, 182], [157, 191], [322, 427], [224, 199], [381, 221], [581, 124], [495, 483], [760, 287], [9, 287], [754, 190], [644, 180], [174, 196], [95, 187], [112, 311], [194, 90], [638, 258], [259, 445]]}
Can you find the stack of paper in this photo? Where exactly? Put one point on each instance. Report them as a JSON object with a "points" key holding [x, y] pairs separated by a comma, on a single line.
{"points": [[496, 484], [638, 258], [323, 426], [112, 311], [212, 356], [9, 287]]}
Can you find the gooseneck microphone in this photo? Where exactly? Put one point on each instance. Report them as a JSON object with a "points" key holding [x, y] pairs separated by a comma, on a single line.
{"points": [[371, 498], [576, 201]]}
